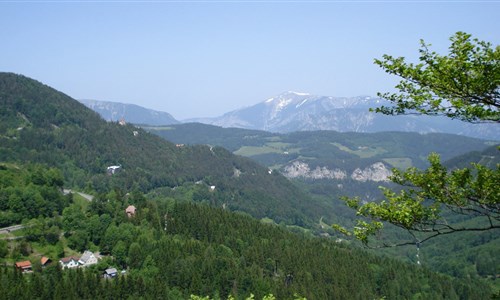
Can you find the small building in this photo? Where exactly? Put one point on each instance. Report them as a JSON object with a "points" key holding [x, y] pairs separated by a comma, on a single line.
{"points": [[88, 258], [24, 266], [69, 262], [45, 261], [113, 169], [110, 273], [130, 211]]}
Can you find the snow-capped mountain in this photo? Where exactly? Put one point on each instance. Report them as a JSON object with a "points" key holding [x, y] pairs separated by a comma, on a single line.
{"points": [[279, 112], [131, 113], [294, 111]]}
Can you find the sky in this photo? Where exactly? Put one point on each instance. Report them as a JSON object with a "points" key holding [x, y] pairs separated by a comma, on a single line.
{"points": [[205, 58]]}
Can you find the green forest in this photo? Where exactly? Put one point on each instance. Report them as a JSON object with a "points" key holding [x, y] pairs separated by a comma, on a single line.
{"points": [[347, 150], [470, 254], [173, 249]]}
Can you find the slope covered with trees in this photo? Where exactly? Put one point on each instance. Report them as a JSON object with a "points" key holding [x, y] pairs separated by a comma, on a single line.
{"points": [[323, 148], [29, 193], [173, 249], [39, 124]]}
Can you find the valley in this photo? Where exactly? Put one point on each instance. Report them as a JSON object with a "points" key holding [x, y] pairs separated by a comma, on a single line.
{"points": [[346, 152]]}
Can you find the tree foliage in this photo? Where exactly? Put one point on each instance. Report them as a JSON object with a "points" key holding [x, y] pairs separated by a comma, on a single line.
{"points": [[465, 84], [419, 207], [28, 192]]}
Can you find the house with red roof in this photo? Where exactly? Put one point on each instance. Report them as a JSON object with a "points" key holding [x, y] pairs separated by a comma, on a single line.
{"points": [[45, 261], [24, 266]]}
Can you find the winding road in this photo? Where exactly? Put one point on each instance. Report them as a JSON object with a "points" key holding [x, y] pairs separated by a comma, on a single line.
{"points": [[86, 196]]}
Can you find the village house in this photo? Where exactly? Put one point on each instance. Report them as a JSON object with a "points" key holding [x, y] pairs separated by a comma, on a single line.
{"points": [[110, 273], [113, 170], [24, 266], [130, 211], [88, 258], [69, 262]]}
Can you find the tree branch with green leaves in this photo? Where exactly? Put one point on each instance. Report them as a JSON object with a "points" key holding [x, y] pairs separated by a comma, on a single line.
{"points": [[464, 85], [426, 194]]}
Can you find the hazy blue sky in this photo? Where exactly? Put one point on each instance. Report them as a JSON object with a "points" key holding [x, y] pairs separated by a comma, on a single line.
{"points": [[204, 58]]}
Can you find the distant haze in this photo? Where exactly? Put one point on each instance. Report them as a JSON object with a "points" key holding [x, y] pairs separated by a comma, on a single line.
{"points": [[202, 59], [293, 111]]}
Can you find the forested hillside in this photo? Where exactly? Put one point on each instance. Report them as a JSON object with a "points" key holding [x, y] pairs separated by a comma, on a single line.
{"points": [[468, 255], [172, 249], [324, 148], [489, 157], [27, 193], [39, 124], [328, 164]]}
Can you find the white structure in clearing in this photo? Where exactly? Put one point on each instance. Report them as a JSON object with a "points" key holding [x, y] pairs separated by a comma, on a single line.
{"points": [[88, 258], [113, 169]]}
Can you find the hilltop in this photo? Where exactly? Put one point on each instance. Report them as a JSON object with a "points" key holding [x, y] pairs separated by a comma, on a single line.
{"points": [[135, 114]]}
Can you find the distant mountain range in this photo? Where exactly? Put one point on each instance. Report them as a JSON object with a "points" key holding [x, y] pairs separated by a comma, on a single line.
{"points": [[131, 113], [294, 111]]}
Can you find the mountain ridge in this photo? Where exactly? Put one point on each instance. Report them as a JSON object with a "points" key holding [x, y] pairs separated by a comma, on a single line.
{"points": [[298, 111], [132, 113], [293, 111]]}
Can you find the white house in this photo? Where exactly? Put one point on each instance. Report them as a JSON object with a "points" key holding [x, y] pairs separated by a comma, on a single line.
{"points": [[113, 169], [88, 258], [110, 273], [69, 262]]}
